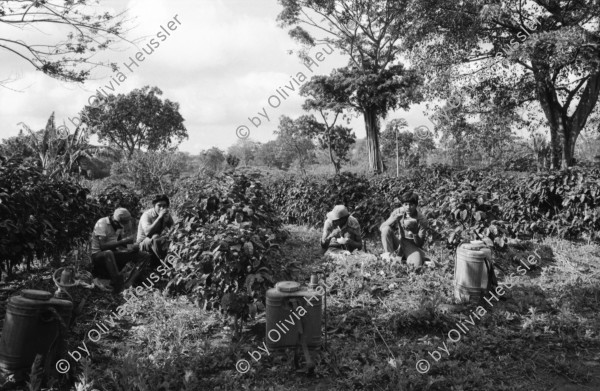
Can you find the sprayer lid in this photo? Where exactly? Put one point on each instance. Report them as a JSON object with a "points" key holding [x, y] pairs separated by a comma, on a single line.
{"points": [[287, 286], [36, 295]]}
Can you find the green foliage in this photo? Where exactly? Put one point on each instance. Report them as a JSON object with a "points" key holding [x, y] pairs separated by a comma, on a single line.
{"points": [[529, 49], [232, 160], [294, 141], [137, 120], [460, 206], [40, 216], [211, 160], [374, 82], [57, 151], [152, 172], [244, 150], [412, 146], [118, 196], [226, 238]]}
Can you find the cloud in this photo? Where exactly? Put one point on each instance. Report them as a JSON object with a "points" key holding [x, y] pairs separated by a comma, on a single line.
{"points": [[221, 65]]}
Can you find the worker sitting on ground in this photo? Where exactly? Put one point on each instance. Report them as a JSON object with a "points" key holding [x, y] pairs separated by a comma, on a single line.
{"points": [[111, 252], [410, 237], [341, 231], [153, 223]]}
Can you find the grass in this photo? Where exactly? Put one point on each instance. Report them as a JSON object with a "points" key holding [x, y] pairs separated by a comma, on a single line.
{"points": [[380, 322]]}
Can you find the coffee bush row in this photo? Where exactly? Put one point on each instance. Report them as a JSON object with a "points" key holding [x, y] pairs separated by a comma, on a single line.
{"points": [[493, 206]]}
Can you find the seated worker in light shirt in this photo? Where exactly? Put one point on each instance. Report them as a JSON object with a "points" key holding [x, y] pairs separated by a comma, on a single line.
{"points": [[153, 223], [110, 252], [411, 233], [341, 231]]}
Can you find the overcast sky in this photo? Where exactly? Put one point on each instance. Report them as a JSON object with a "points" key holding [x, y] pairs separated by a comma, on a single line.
{"points": [[222, 65]]}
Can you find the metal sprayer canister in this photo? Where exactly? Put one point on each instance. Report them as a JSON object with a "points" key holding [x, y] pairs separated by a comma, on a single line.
{"points": [[292, 308], [31, 326], [471, 272]]}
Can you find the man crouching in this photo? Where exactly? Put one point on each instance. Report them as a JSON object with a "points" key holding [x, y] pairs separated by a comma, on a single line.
{"points": [[152, 225], [110, 253], [411, 235], [341, 231]]}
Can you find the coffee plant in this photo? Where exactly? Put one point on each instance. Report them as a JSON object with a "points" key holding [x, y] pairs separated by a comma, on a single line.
{"points": [[119, 196], [226, 240], [492, 206], [40, 216]]}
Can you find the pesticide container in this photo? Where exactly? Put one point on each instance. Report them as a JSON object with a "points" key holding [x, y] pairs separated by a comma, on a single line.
{"points": [[472, 272], [31, 327], [293, 309]]}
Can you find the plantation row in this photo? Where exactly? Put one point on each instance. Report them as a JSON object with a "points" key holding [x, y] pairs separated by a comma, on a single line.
{"points": [[46, 218], [465, 205], [229, 227]]}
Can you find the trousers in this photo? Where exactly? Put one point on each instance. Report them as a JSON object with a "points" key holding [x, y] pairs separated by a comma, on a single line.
{"points": [[404, 247]]}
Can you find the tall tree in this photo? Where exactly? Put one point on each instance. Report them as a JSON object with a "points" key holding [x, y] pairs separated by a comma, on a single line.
{"points": [[517, 52], [266, 154], [370, 33], [81, 31], [294, 141], [137, 120], [393, 137], [17, 146], [336, 139], [244, 150], [211, 160]]}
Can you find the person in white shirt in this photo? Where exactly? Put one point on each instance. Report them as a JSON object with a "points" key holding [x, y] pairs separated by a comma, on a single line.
{"points": [[153, 223], [110, 251]]}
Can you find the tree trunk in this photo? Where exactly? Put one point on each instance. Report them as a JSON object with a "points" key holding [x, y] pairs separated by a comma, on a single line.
{"points": [[336, 165], [562, 127], [371, 124]]}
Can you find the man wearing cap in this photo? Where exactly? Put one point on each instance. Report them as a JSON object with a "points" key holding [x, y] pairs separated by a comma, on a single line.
{"points": [[412, 231], [152, 224], [110, 252], [341, 231]]}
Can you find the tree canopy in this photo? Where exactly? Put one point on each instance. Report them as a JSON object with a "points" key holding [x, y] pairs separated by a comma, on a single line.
{"points": [[370, 33], [137, 120], [294, 144], [521, 56]]}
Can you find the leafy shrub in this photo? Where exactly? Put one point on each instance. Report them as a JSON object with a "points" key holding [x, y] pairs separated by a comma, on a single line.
{"points": [[40, 216], [213, 253], [460, 205]]}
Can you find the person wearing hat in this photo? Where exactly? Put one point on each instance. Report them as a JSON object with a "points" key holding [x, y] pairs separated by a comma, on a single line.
{"points": [[111, 252], [341, 231], [411, 235], [152, 225]]}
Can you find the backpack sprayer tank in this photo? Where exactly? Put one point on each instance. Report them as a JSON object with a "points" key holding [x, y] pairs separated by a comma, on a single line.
{"points": [[472, 271], [294, 316]]}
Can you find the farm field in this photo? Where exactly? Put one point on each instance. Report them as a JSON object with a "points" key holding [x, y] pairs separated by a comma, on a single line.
{"points": [[381, 321], [180, 180]]}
